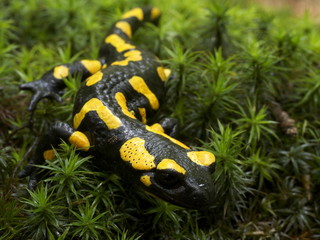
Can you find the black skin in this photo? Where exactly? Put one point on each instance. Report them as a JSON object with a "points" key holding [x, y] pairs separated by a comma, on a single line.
{"points": [[193, 189]]}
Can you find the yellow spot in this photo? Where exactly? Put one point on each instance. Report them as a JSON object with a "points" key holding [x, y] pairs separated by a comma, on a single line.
{"points": [[170, 164], [132, 56], [140, 86], [94, 78], [122, 101], [146, 180], [134, 152], [167, 72], [60, 72], [161, 73], [80, 140], [118, 43], [157, 128], [103, 112], [124, 27], [143, 115], [175, 141], [135, 12], [48, 154], [104, 66], [202, 158], [91, 65], [155, 13]]}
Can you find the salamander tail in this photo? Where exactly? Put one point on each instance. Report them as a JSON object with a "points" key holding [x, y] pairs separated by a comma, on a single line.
{"points": [[132, 20], [118, 40]]}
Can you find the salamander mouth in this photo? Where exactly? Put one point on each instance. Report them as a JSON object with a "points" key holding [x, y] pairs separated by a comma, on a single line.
{"points": [[196, 199], [188, 204]]}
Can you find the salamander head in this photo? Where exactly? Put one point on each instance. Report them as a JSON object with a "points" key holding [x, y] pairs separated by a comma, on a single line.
{"points": [[182, 181], [170, 171]]}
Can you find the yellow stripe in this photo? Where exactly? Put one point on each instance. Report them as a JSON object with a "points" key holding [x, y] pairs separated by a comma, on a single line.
{"points": [[91, 65], [103, 112], [135, 12], [143, 115], [132, 56], [60, 72], [145, 179], [161, 73], [125, 27], [118, 43], [170, 164], [122, 101], [167, 72], [157, 127], [155, 13], [79, 140], [94, 78], [175, 141], [134, 152], [140, 86]]}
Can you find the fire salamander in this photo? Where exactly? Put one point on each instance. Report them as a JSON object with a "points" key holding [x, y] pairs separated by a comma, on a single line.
{"points": [[121, 90]]}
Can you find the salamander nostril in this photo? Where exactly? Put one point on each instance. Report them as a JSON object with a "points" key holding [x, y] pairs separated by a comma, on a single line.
{"points": [[202, 195]]}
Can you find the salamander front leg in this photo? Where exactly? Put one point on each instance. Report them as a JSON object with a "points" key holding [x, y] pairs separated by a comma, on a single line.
{"points": [[51, 84], [52, 138]]}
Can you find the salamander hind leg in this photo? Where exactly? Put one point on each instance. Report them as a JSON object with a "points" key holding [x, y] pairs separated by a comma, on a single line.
{"points": [[51, 139]]}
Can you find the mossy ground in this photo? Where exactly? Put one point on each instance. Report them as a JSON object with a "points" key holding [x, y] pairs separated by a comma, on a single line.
{"points": [[230, 62]]}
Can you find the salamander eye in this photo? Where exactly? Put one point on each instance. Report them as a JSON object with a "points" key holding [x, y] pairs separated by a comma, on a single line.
{"points": [[168, 178]]}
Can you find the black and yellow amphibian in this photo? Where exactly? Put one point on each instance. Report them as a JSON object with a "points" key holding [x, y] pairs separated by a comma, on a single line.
{"points": [[122, 89]]}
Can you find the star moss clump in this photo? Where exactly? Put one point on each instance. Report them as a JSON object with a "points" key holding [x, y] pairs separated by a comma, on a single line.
{"points": [[245, 85]]}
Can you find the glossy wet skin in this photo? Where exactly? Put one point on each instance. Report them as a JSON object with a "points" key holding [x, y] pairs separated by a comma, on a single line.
{"points": [[121, 91], [158, 163], [192, 189]]}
